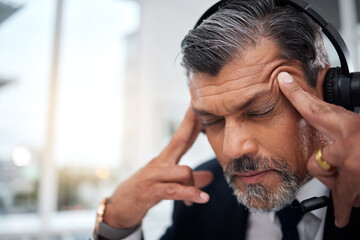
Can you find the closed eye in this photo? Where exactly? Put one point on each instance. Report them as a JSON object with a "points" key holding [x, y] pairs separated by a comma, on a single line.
{"points": [[262, 113], [208, 123]]}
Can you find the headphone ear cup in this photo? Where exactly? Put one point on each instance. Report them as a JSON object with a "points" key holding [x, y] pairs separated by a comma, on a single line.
{"points": [[330, 85], [337, 88]]}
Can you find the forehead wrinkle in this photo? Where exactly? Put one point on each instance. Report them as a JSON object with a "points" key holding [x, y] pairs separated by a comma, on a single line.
{"points": [[230, 106], [268, 96], [228, 100], [204, 92], [241, 74], [264, 75], [205, 96]]}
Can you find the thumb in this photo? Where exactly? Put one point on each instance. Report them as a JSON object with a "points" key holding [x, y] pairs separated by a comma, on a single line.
{"points": [[202, 178]]}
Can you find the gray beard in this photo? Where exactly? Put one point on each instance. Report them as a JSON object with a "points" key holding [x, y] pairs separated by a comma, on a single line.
{"points": [[271, 199]]}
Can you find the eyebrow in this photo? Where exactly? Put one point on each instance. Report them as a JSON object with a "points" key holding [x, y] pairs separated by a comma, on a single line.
{"points": [[254, 98]]}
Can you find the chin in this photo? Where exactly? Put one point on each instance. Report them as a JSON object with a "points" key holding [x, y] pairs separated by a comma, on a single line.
{"points": [[261, 198], [272, 189]]}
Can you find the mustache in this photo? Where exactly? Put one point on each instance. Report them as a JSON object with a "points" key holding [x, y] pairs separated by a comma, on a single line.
{"points": [[246, 163]]}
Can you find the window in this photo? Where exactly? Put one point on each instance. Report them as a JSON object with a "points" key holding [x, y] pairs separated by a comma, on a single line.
{"points": [[61, 99]]}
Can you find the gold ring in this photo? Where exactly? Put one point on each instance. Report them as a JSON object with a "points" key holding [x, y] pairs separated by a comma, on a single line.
{"points": [[323, 164]]}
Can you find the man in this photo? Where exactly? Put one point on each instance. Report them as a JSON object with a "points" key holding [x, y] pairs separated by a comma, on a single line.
{"points": [[255, 73]]}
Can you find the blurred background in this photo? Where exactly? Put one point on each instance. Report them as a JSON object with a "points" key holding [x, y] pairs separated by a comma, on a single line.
{"points": [[91, 90]]}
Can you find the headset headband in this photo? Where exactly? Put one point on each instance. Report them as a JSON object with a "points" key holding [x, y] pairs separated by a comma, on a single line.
{"points": [[327, 28]]}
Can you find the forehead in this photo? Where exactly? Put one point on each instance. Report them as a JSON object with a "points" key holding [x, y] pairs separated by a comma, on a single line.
{"points": [[241, 78]]}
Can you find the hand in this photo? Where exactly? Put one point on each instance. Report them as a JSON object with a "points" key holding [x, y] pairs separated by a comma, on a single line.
{"points": [[162, 178], [342, 127]]}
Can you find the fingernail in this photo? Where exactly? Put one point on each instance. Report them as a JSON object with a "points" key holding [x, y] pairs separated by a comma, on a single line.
{"points": [[285, 77], [204, 196], [337, 224]]}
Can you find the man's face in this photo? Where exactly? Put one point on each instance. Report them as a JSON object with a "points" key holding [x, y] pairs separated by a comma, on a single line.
{"points": [[259, 138]]}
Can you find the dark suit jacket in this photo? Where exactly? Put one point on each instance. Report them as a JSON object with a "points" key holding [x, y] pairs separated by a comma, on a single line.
{"points": [[223, 218]]}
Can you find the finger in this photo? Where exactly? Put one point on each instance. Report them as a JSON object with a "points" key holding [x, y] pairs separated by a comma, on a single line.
{"points": [[346, 190], [202, 178], [176, 173], [175, 191], [342, 212], [189, 182], [335, 154], [341, 182], [315, 168], [323, 116], [188, 203], [327, 178], [343, 197], [182, 140]]}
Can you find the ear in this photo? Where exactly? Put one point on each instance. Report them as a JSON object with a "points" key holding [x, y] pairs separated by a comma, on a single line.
{"points": [[320, 82]]}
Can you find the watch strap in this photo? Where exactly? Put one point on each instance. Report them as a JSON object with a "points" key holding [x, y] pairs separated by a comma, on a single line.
{"points": [[112, 233]]}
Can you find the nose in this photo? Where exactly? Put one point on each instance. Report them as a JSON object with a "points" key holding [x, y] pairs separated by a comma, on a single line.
{"points": [[239, 139]]}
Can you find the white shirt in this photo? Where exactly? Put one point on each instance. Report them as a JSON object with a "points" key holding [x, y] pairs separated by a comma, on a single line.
{"points": [[311, 226]]}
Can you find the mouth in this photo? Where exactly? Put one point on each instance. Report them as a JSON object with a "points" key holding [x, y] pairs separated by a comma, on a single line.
{"points": [[252, 177]]}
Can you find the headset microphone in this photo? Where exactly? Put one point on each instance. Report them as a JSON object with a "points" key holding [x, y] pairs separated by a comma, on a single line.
{"points": [[342, 84]]}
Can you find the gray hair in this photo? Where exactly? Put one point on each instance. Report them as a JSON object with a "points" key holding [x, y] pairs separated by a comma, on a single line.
{"points": [[239, 24]]}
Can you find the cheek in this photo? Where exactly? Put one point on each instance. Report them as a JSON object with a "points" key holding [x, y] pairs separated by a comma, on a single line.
{"points": [[292, 140], [286, 133]]}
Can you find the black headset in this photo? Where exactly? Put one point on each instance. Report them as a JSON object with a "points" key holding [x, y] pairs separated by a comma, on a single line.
{"points": [[342, 84]]}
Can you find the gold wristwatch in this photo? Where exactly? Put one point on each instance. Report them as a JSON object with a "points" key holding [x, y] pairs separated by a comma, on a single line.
{"points": [[100, 213], [104, 231]]}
